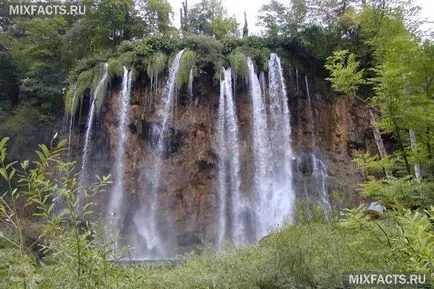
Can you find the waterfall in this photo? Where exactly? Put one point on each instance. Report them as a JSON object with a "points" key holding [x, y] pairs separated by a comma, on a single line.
{"points": [[277, 199], [86, 148], [261, 153], [319, 169], [71, 121], [151, 244], [231, 224], [191, 99], [122, 137]]}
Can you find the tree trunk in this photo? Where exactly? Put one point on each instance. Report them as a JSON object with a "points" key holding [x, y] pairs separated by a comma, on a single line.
{"points": [[379, 142], [417, 172], [401, 146]]}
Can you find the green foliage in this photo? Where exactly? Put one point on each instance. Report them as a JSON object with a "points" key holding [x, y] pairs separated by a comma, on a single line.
{"points": [[403, 192], [71, 100], [126, 46], [372, 164], [85, 81], [157, 63], [346, 75], [207, 48], [115, 68], [238, 62], [82, 259], [127, 58], [186, 64], [99, 86], [209, 17], [156, 43]]}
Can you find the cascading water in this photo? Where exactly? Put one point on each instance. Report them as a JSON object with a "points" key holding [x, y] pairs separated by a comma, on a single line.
{"points": [[261, 156], [319, 169], [191, 99], [150, 244], [280, 195], [115, 202], [71, 121], [232, 205], [86, 148]]}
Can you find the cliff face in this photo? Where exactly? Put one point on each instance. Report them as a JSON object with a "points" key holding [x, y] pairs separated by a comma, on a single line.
{"points": [[326, 128]]}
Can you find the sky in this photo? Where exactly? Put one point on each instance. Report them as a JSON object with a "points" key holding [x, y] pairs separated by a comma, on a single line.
{"points": [[251, 7]]}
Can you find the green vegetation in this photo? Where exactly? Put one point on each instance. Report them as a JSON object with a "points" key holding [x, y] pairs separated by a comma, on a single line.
{"points": [[186, 64], [238, 62], [77, 254], [156, 64], [371, 52]]}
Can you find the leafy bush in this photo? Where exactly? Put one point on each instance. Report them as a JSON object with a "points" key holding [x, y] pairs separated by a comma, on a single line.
{"points": [[127, 58], [186, 64], [156, 43], [207, 48], [126, 46], [115, 69]]}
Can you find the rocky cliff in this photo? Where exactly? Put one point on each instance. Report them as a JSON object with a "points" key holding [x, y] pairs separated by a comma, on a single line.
{"points": [[327, 131]]}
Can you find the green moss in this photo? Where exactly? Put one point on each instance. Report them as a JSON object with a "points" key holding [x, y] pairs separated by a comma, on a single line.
{"points": [[126, 46], [186, 64], [115, 69], [127, 58], [238, 62], [71, 100], [99, 95], [156, 64], [85, 81]]}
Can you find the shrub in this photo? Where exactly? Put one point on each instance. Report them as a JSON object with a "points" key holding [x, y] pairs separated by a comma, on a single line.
{"points": [[127, 58], [126, 46], [207, 48], [156, 43], [115, 69]]}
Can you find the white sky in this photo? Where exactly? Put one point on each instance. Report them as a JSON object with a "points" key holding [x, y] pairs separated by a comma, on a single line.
{"points": [[237, 8]]}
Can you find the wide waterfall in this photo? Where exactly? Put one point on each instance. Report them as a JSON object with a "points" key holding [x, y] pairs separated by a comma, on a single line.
{"points": [[116, 196], [86, 149], [149, 244], [231, 225], [319, 169]]}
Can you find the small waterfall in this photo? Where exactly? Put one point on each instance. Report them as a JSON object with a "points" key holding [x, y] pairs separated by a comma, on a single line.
{"points": [[319, 169], [151, 244], [115, 202], [86, 148], [191, 99], [71, 121], [231, 224]]}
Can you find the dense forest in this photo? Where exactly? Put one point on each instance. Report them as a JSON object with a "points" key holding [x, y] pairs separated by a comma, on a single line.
{"points": [[370, 51]]}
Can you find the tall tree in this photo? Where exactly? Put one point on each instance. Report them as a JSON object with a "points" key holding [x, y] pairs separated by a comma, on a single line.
{"points": [[209, 17]]}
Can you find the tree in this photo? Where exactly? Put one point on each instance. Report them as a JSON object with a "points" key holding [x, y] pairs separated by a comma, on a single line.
{"points": [[209, 17]]}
